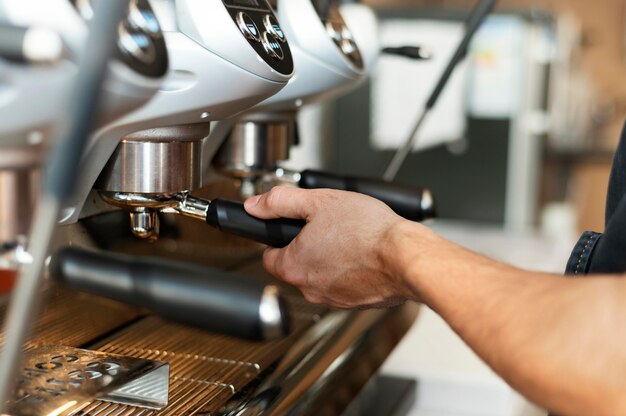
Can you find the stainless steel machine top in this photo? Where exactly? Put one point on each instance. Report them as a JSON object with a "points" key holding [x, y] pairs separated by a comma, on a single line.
{"points": [[338, 30], [141, 45]]}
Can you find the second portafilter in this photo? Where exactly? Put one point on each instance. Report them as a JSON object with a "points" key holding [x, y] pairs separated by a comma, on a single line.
{"points": [[255, 147]]}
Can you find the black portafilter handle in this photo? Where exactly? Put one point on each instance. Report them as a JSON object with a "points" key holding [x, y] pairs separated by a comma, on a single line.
{"points": [[412, 203], [231, 217], [192, 295], [418, 53]]}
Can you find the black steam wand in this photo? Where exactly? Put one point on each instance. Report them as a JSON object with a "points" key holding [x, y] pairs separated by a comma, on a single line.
{"points": [[60, 176], [475, 19]]}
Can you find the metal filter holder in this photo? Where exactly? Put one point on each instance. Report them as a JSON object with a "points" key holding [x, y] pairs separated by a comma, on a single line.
{"points": [[58, 380]]}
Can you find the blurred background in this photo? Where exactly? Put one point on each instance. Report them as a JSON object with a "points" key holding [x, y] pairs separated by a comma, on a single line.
{"points": [[517, 152]]}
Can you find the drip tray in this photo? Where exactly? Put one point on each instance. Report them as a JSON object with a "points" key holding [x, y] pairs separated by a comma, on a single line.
{"points": [[56, 380]]}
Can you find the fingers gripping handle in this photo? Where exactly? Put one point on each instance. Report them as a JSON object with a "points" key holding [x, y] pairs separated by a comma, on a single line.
{"points": [[409, 202], [205, 298], [231, 217]]}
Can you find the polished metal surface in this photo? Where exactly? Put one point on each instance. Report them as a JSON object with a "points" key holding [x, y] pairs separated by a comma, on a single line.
{"points": [[191, 207], [271, 314], [144, 208], [331, 361], [138, 201], [145, 224], [162, 160], [140, 39], [338, 31], [74, 319], [57, 380], [206, 369], [316, 370], [247, 26], [18, 191], [21, 152], [272, 46], [428, 204], [150, 390], [13, 254], [20, 181], [279, 176], [254, 147]]}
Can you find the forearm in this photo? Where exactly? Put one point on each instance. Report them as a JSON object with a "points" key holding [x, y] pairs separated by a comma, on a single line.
{"points": [[559, 341], [538, 331]]}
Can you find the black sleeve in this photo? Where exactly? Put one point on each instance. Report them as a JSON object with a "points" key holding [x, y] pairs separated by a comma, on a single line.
{"points": [[617, 182]]}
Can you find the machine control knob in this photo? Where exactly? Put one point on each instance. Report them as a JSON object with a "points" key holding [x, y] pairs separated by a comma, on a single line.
{"points": [[334, 31], [272, 26], [346, 33], [140, 39], [248, 27], [272, 46], [348, 46]]}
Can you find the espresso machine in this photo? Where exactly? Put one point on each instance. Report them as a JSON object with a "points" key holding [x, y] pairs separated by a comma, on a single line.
{"points": [[176, 320], [330, 62], [156, 164], [42, 40]]}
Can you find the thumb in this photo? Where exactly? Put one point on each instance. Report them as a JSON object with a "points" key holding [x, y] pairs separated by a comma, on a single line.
{"points": [[281, 202]]}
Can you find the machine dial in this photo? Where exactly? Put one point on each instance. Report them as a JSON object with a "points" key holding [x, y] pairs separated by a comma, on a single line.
{"points": [[256, 21], [272, 26], [140, 40], [338, 30], [248, 27], [272, 46]]}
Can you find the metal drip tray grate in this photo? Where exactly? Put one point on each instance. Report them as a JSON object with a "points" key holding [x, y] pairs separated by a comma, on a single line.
{"points": [[314, 371], [56, 379], [206, 370], [73, 319]]}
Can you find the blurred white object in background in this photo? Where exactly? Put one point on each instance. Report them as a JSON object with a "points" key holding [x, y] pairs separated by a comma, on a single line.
{"points": [[496, 69], [400, 87]]}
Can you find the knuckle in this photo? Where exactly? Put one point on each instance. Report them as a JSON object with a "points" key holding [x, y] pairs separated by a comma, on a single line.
{"points": [[278, 267], [270, 263], [293, 278], [282, 271], [312, 298], [273, 197]]}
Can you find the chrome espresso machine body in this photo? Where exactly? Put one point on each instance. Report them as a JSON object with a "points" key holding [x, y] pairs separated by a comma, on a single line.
{"points": [[34, 83], [330, 62], [217, 69], [185, 321]]}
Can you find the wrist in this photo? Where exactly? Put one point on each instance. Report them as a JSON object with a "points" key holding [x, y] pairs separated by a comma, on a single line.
{"points": [[404, 251], [428, 266]]}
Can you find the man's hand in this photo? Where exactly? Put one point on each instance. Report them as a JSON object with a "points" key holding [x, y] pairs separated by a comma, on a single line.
{"points": [[344, 255], [558, 341]]}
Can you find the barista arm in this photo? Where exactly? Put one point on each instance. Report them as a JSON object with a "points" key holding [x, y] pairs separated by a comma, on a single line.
{"points": [[560, 342]]}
